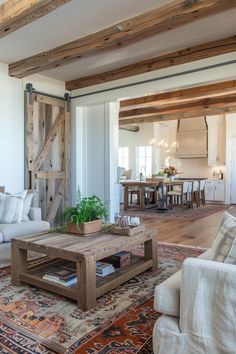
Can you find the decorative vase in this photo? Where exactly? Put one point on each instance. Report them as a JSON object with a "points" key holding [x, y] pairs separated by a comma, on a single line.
{"points": [[172, 178], [85, 229]]}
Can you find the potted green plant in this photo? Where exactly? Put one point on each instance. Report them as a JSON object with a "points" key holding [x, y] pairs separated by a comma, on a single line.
{"points": [[86, 217]]}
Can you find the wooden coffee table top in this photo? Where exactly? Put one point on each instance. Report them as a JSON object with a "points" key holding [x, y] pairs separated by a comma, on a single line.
{"points": [[74, 247]]}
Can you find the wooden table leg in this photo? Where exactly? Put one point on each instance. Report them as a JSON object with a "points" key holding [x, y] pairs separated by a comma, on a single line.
{"points": [[87, 283], [126, 197], [150, 252], [142, 197], [18, 263], [155, 195]]}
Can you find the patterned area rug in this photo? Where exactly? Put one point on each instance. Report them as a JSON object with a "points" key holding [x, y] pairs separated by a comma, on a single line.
{"points": [[176, 212], [36, 321]]}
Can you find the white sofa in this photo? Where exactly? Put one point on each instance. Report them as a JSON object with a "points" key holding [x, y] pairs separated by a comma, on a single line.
{"points": [[199, 304], [8, 231]]}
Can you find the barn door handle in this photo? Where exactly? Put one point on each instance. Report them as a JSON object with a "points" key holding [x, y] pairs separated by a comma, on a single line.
{"points": [[30, 179]]}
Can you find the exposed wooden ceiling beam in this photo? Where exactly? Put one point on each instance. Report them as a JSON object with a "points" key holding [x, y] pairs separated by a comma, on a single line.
{"points": [[192, 93], [182, 56], [130, 128], [229, 100], [209, 111], [16, 14], [165, 18]]}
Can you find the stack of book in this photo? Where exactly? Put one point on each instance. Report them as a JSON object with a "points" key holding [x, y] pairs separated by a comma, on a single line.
{"points": [[103, 269], [64, 275]]}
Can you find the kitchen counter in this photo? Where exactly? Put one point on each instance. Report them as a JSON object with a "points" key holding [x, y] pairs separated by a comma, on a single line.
{"points": [[192, 179]]}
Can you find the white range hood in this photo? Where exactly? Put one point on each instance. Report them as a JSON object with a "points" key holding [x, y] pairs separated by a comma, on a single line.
{"points": [[192, 138]]}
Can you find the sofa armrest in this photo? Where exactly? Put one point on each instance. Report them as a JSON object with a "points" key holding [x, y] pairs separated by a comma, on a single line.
{"points": [[167, 296], [35, 214], [208, 302]]}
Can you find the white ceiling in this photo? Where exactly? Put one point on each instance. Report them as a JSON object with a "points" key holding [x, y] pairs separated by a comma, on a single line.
{"points": [[81, 17]]}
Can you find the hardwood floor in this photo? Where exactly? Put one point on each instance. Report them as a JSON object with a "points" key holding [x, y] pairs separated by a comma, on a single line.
{"points": [[200, 232]]}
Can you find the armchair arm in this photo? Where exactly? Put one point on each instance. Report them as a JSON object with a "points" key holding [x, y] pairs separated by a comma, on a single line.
{"points": [[208, 303], [35, 214]]}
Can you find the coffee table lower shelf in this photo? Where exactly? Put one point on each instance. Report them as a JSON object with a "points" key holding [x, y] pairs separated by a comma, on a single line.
{"points": [[34, 276]]}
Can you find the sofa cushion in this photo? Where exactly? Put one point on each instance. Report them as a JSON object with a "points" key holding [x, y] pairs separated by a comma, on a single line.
{"points": [[26, 206], [11, 207], [10, 231], [231, 256], [223, 248], [35, 214]]}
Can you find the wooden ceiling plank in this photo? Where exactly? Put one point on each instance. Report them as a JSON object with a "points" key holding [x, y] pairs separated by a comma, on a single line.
{"points": [[16, 14], [197, 92], [182, 56], [158, 20], [183, 107], [209, 111], [130, 128]]}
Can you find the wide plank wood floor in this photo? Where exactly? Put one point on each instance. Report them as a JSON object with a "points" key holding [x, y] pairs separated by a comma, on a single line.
{"points": [[200, 232]]}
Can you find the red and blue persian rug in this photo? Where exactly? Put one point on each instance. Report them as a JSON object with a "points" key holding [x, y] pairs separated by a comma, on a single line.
{"points": [[34, 321]]}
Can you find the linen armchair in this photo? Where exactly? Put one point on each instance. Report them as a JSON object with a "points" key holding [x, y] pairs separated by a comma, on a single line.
{"points": [[206, 322]]}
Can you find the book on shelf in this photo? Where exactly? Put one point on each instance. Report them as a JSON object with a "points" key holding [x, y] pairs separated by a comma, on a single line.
{"points": [[61, 273], [69, 282], [103, 268]]}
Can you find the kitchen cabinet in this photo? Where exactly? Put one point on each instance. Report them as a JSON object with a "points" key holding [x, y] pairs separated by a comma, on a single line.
{"points": [[215, 190], [216, 140]]}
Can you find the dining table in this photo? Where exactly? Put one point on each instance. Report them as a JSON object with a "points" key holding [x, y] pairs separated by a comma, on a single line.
{"points": [[156, 184]]}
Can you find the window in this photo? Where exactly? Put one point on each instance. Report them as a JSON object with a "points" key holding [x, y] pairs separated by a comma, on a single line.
{"points": [[123, 160], [144, 160]]}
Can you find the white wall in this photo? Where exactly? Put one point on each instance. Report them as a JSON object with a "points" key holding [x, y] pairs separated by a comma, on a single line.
{"points": [[133, 139], [142, 137], [230, 133], [12, 124], [11, 132], [94, 152], [198, 168]]}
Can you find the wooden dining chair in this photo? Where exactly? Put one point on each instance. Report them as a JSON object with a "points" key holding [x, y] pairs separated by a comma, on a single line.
{"points": [[202, 199], [179, 197], [194, 194]]}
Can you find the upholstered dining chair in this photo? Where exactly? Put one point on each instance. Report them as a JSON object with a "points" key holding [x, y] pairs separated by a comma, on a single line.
{"points": [[179, 197], [195, 197], [202, 185]]}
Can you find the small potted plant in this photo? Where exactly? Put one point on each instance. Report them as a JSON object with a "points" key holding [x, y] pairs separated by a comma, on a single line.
{"points": [[86, 217]]}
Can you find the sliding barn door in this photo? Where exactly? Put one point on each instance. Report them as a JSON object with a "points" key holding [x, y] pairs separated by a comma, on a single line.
{"points": [[47, 153]]}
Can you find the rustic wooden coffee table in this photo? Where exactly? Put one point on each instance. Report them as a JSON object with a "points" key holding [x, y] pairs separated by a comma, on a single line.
{"points": [[84, 251]]}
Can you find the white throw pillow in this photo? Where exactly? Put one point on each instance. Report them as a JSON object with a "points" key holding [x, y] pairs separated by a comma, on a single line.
{"points": [[223, 248], [26, 208], [2, 202], [11, 207]]}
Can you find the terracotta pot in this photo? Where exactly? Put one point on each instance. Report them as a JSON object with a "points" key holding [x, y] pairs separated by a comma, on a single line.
{"points": [[86, 228]]}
